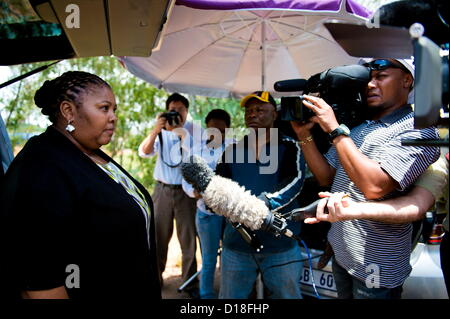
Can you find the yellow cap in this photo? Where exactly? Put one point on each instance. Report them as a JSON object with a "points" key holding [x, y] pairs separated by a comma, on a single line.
{"points": [[263, 96]]}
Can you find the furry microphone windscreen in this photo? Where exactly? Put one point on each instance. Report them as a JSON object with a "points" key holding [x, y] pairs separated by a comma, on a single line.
{"points": [[224, 196], [227, 198], [197, 172]]}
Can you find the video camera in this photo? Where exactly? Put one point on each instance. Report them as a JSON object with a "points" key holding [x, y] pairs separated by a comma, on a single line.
{"points": [[403, 29], [342, 87], [172, 117]]}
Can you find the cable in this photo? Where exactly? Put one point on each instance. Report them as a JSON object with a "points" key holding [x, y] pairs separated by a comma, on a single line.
{"points": [[310, 265], [294, 261]]}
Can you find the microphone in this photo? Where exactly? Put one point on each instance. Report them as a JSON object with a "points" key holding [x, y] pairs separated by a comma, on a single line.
{"points": [[308, 211], [227, 198], [290, 85]]}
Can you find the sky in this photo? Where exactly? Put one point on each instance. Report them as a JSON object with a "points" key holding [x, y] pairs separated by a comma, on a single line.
{"points": [[5, 74]]}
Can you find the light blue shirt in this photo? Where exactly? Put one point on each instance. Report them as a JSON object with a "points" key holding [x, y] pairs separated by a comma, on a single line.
{"points": [[173, 152]]}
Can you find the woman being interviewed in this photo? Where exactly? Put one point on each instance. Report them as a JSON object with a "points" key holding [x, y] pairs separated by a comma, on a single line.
{"points": [[74, 224]]}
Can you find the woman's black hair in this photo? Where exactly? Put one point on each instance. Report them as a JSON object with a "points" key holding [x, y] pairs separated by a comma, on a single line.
{"points": [[218, 114], [70, 86]]}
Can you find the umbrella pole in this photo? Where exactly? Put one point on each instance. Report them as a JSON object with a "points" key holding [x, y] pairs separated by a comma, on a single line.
{"points": [[263, 54]]}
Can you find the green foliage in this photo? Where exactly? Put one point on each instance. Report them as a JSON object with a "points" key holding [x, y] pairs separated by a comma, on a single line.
{"points": [[202, 105], [138, 105]]}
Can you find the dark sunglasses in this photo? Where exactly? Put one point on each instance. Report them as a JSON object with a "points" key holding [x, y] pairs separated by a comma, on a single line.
{"points": [[383, 64]]}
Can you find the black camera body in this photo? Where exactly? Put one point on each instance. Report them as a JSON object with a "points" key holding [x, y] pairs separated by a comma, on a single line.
{"points": [[292, 109], [173, 117], [342, 87]]}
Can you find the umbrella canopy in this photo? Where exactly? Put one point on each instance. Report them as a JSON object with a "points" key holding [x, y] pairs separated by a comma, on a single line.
{"points": [[230, 48]]}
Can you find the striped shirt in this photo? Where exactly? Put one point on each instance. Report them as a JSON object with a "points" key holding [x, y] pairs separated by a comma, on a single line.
{"points": [[371, 249]]}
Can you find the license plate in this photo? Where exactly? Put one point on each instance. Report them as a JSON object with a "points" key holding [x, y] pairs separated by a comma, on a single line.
{"points": [[322, 279]]}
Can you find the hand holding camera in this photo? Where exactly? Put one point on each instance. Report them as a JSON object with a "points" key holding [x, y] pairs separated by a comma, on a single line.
{"points": [[173, 119], [324, 114], [160, 124], [168, 121], [342, 87]]}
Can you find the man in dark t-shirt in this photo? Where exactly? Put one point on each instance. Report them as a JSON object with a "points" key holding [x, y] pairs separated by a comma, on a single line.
{"points": [[275, 174]]}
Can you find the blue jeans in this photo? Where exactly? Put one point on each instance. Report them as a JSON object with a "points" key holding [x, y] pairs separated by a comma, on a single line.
{"points": [[280, 274], [209, 229], [349, 287]]}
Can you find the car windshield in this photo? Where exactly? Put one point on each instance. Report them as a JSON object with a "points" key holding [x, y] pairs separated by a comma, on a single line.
{"points": [[29, 38], [17, 11]]}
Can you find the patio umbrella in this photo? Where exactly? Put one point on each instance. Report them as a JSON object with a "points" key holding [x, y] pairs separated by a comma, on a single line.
{"points": [[229, 48]]}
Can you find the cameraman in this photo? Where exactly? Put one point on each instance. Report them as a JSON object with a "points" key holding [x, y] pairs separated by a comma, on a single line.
{"points": [[371, 258], [170, 139]]}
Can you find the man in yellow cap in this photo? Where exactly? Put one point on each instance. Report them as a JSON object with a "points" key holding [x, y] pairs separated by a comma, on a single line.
{"points": [[277, 179]]}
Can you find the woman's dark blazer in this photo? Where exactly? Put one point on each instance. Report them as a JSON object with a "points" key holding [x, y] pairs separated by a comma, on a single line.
{"points": [[64, 222]]}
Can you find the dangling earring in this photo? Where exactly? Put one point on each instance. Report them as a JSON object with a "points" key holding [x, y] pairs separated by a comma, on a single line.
{"points": [[70, 128]]}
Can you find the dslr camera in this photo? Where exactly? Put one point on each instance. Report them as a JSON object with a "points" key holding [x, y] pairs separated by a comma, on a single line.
{"points": [[173, 117], [342, 87]]}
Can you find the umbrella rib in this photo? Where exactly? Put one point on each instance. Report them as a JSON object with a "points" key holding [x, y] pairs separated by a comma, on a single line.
{"points": [[300, 28], [285, 44], [213, 24], [240, 62], [199, 52]]}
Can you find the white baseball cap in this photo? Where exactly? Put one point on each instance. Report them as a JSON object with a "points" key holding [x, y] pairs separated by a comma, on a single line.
{"points": [[407, 63]]}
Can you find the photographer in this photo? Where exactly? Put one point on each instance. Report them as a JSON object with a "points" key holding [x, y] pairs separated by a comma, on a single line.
{"points": [[371, 257], [171, 140]]}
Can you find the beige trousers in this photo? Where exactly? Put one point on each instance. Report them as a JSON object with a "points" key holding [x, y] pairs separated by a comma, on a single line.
{"points": [[173, 203]]}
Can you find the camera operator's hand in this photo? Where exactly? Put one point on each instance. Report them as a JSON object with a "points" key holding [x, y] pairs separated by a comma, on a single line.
{"points": [[160, 124], [324, 114], [302, 130]]}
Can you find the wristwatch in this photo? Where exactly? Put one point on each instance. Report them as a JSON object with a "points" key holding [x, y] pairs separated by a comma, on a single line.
{"points": [[340, 130]]}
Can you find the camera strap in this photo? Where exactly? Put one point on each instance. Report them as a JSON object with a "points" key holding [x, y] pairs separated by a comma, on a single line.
{"points": [[162, 153]]}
